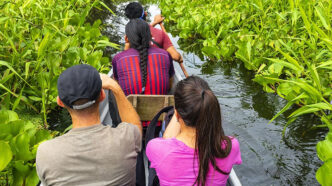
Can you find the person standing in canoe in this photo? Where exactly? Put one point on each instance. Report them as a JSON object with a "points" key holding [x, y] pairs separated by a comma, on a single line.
{"points": [[91, 153], [160, 38], [194, 149]]}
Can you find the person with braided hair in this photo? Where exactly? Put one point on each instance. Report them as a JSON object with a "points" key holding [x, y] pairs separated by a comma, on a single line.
{"points": [[142, 69], [160, 38]]}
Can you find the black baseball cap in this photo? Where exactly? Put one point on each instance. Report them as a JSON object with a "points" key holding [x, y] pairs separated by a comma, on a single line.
{"points": [[79, 82]]}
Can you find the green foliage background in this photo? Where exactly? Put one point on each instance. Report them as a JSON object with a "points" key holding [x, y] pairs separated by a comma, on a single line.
{"points": [[38, 40], [287, 43], [19, 140]]}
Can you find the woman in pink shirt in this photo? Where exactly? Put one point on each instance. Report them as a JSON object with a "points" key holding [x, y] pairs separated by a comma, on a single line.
{"points": [[194, 149]]}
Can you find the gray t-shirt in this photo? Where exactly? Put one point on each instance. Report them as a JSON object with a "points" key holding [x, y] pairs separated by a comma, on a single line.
{"points": [[95, 155]]}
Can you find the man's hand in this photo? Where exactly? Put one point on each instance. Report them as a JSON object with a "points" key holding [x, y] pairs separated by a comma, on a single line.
{"points": [[109, 83], [157, 20], [180, 60], [126, 110]]}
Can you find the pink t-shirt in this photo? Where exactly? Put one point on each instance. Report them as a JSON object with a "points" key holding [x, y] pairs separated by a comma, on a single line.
{"points": [[174, 162]]}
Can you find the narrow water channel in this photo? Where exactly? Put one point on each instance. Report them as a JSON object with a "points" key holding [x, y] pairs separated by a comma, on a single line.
{"points": [[268, 158]]}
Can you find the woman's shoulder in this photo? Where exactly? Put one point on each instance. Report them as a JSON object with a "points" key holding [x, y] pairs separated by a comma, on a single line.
{"points": [[235, 142], [158, 147], [161, 141], [235, 153], [126, 53], [156, 50]]}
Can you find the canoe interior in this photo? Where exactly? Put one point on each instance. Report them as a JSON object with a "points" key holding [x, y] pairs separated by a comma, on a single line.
{"points": [[105, 118]]}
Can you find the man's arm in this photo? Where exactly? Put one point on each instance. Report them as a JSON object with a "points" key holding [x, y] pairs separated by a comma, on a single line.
{"points": [[176, 56], [126, 110], [158, 19]]}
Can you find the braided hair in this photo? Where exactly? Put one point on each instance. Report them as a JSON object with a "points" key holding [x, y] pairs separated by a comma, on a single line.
{"points": [[139, 36]]}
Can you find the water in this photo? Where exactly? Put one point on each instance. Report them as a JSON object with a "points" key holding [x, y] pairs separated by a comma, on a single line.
{"points": [[268, 158]]}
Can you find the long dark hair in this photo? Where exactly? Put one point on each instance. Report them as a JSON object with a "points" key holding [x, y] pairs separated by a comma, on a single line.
{"points": [[199, 108], [139, 36]]}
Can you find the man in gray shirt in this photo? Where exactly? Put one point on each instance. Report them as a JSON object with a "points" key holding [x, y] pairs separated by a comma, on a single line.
{"points": [[91, 153]]}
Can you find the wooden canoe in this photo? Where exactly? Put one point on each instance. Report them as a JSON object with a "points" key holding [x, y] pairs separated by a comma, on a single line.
{"points": [[147, 106]]}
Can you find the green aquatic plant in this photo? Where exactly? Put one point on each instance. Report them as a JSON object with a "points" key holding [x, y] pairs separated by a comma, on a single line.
{"points": [[19, 140], [38, 40], [288, 44]]}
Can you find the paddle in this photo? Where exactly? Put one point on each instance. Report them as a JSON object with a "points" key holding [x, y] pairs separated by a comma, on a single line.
{"points": [[180, 63]]}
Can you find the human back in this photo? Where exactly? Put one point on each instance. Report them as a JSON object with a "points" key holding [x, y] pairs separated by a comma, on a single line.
{"points": [[142, 69], [127, 71], [95, 155], [194, 150], [90, 153]]}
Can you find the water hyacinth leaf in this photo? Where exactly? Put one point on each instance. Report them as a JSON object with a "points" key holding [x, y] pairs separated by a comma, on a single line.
{"points": [[320, 31], [325, 64], [315, 76], [286, 64], [3, 19], [275, 68], [105, 43], [40, 136], [291, 60], [16, 126], [18, 99], [311, 108], [303, 110], [284, 89], [211, 51], [6, 77], [32, 178], [305, 86], [5, 155], [43, 44], [324, 173], [21, 167], [287, 47], [7, 116], [305, 19], [261, 67], [104, 5], [18, 178], [327, 121], [22, 147], [4, 63], [322, 17], [324, 149], [286, 107], [27, 65]]}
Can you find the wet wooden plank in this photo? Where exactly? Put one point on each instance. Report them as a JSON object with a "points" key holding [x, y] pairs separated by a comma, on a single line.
{"points": [[147, 106]]}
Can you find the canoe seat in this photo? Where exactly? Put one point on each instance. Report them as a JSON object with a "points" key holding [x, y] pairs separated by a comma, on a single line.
{"points": [[147, 106]]}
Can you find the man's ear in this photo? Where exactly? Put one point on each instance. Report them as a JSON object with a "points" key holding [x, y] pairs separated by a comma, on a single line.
{"points": [[102, 95], [59, 102]]}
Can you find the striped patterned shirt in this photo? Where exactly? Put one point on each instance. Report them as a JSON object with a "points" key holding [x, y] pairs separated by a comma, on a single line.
{"points": [[127, 72]]}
